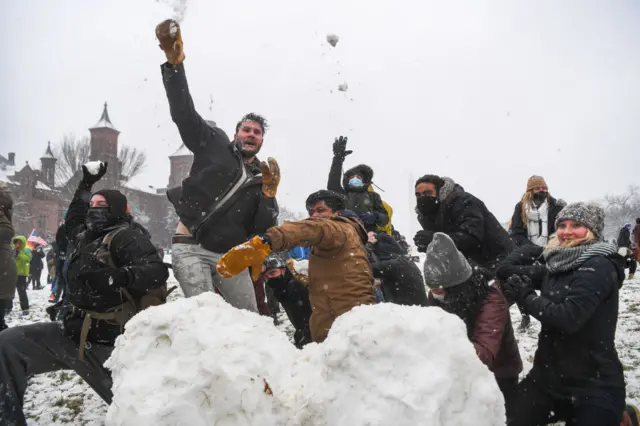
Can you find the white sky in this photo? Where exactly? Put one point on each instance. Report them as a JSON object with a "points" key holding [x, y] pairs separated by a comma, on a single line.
{"points": [[485, 92]]}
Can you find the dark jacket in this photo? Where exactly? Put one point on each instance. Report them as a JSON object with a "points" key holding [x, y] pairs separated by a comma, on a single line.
{"points": [[520, 262], [8, 270], [221, 201], [359, 200], [519, 233], [294, 298], [37, 262], [472, 227], [578, 310], [492, 335], [401, 279], [131, 252], [624, 238]]}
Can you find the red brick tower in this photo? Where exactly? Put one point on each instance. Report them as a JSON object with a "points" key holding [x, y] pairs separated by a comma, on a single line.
{"points": [[104, 147], [181, 162]]}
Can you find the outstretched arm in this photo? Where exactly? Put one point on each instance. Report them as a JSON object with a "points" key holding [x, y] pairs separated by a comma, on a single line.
{"points": [[323, 233]]}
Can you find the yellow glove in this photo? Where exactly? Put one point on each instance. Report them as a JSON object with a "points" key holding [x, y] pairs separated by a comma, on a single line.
{"points": [[270, 177], [170, 38], [250, 254]]}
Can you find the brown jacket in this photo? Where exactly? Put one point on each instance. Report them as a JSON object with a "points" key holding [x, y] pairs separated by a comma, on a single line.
{"points": [[340, 276], [493, 337]]}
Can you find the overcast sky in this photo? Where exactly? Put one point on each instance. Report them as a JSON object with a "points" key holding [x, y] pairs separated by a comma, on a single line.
{"points": [[485, 92]]}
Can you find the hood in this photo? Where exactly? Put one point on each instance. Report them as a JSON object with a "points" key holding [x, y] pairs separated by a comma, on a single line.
{"points": [[447, 189], [21, 238], [362, 170]]}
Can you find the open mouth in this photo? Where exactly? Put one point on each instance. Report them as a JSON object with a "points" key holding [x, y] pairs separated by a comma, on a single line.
{"points": [[249, 144]]}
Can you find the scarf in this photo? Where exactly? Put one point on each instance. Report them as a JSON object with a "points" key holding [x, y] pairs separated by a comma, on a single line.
{"points": [[563, 259], [538, 223]]}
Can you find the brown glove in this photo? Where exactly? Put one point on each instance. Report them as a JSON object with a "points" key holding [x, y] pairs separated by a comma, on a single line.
{"points": [[170, 38], [270, 177]]}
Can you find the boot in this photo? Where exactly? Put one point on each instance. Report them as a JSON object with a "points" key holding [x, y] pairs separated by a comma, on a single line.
{"points": [[631, 276], [525, 323]]}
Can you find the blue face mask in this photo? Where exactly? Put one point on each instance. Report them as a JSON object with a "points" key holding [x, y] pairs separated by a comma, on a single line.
{"points": [[356, 182]]}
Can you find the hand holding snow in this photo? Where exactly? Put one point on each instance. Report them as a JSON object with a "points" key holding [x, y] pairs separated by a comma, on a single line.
{"points": [[198, 361], [94, 167]]}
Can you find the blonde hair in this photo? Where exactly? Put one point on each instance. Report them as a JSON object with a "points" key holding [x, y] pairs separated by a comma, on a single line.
{"points": [[554, 242], [526, 207]]}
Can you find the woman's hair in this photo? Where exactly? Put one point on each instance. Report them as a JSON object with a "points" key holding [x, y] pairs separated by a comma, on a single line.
{"points": [[465, 300], [554, 242], [527, 200]]}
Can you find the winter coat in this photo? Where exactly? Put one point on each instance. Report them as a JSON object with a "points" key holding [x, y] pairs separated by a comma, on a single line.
{"points": [[22, 258], [340, 276], [221, 201], [401, 279], [492, 335], [37, 262], [636, 235], [624, 238], [519, 233], [294, 298], [129, 249], [578, 309], [359, 200], [8, 270], [472, 227]]}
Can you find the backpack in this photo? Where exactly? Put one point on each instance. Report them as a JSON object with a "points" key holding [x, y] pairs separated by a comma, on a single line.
{"points": [[121, 314]]}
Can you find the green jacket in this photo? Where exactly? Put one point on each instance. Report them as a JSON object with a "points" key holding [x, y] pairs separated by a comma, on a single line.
{"points": [[24, 257]]}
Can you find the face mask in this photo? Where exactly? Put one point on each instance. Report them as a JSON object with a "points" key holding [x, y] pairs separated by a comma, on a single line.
{"points": [[540, 197], [438, 297], [98, 218], [427, 204], [356, 183]]}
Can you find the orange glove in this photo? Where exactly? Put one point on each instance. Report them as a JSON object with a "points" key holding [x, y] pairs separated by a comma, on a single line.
{"points": [[170, 38], [270, 177], [250, 254]]}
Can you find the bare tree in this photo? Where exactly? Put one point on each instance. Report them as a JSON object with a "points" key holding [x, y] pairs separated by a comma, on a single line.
{"points": [[71, 153], [287, 215], [132, 162], [621, 209]]}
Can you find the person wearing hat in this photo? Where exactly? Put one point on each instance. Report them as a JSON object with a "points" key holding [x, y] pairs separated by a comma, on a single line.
{"points": [[469, 294], [577, 375], [625, 242], [113, 272]]}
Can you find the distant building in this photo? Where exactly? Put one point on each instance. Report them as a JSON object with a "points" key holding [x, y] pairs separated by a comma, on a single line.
{"points": [[41, 202]]}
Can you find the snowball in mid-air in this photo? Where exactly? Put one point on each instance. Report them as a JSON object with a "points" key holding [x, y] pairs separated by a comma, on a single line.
{"points": [[199, 361], [93, 167], [333, 39], [343, 87]]}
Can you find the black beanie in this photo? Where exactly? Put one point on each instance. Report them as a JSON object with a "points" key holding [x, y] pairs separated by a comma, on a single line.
{"points": [[117, 202]]}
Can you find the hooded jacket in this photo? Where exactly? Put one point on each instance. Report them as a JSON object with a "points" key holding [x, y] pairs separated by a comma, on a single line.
{"points": [[23, 258], [358, 200], [8, 270], [340, 276], [472, 227], [219, 182]]}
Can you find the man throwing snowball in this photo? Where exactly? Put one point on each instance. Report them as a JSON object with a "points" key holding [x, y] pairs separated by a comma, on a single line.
{"points": [[229, 195]]}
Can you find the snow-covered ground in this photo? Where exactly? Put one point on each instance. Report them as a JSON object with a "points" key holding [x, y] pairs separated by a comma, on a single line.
{"points": [[62, 398]]}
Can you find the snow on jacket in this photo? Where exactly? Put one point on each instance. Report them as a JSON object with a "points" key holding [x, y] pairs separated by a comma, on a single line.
{"points": [[519, 230], [472, 227], [8, 270], [578, 310], [340, 276], [401, 279], [492, 335], [23, 258], [221, 201], [358, 200]]}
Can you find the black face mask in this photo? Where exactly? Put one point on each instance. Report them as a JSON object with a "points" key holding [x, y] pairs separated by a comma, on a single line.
{"points": [[427, 204], [98, 219], [540, 197]]}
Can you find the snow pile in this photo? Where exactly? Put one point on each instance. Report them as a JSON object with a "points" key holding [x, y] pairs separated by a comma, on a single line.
{"points": [[198, 361], [93, 167]]}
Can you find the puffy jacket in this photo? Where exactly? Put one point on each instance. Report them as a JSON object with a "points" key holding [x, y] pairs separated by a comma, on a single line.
{"points": [[8, 270], [624, 238], [219, 182], [23, 259]]}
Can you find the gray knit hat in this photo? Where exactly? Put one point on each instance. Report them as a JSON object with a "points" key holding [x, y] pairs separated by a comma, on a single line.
{"points": [[590, 215], [445, 266]]}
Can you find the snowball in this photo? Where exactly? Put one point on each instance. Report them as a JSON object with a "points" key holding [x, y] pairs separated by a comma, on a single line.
{"points": [[333, 39], [301, 266], [198, 361], [173, 29], [93, 167], [343, 87]]}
